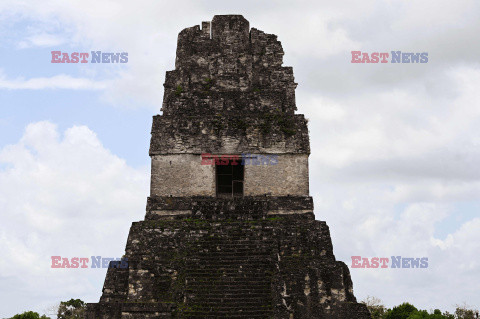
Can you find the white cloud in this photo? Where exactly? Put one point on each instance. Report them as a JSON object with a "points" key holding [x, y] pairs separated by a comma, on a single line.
{"points": [[317, 38], [41, 40], [400, 132], [61, 81], [390, 172], [63, 194], [380, 225]]}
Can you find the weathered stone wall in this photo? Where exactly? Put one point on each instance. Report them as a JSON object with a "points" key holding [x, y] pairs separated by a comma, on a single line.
{"points": [[237, 208], [229, 93], [288, 177], [126, 310], [181, 175], [236, 69], [115, 287], [281, 267], [273, 133]]}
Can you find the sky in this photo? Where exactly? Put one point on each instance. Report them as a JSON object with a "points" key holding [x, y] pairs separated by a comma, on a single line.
{"points": [[394, 157]]}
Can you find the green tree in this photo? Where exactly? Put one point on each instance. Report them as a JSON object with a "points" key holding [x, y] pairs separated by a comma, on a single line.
{"points": [[72, 309], [29, 315], [419, 314], [401, 312], [423, 314], [437, 314], [408, 311]]}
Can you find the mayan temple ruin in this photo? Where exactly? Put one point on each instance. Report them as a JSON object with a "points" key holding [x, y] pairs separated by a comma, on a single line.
{"points": [[229, 230]]}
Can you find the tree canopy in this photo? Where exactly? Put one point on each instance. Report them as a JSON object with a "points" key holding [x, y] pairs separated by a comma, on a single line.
{"points": [[409, 311], [29, 315]]}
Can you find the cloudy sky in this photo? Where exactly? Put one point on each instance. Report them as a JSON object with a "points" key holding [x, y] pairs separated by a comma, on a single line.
{"points": [[395, 147]]}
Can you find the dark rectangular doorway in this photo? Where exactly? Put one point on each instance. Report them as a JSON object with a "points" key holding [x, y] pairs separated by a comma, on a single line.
{"points": [[229, 179]]}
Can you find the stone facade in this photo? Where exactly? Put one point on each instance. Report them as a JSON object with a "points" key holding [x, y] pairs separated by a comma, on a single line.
{"points": [[183, 175], [229, 240]]}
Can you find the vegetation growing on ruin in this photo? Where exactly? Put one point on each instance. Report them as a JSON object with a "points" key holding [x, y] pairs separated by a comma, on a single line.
{"points": [[178, 90], [284, 121]]}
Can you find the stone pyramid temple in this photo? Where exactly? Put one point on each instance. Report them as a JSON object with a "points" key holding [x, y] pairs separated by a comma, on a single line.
{"points": [[229, 230]]}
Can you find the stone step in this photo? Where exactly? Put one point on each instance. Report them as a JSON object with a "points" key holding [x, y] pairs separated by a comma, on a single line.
{"points": [[239, 249], [232, 271], [232, 264], [229, 265], [230, 302], [230, 277], [216, 309], [222, 248], [243, 303], [228, 285], [253, 240], [223, 273], [228, 288], [233, 295], [240, 255], [226, 278], [227, 281], [255, 236], [249, 250], [232, 259], [241, 290], [229, 313], [231, 247], [263, 258], [248, 315], [235, 275], [235, 272]]}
